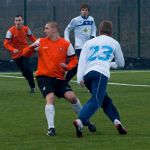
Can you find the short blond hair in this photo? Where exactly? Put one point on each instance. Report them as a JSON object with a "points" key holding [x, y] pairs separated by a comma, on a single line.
{"points": [[53, 24]]}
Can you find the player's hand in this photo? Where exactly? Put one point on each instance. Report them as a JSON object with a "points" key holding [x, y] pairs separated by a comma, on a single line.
{"points": [[36, 49], [35, 44], [113, 65], [15, 51], [63, 65], [82, 83]]}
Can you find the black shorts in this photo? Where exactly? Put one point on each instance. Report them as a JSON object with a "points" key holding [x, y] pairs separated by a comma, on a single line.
{"points": [[52, 85]]}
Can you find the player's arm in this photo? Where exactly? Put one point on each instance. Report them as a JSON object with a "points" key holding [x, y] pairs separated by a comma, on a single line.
{"points": [[70, 26], [31, 36], [93, 32], [81, 65], [7, 43], [119, 58], [31, 48], [73, 60]]}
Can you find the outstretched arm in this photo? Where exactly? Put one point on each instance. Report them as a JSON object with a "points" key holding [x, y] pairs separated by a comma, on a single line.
{"points": [[31, 48]]}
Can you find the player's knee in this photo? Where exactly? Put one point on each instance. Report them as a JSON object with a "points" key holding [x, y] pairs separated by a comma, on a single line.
{"points": [[70, 96], [50, 98]]}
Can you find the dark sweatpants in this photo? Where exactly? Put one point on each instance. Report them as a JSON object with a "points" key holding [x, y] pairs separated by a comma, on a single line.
{"points": [[96, 84], [24, 65]]}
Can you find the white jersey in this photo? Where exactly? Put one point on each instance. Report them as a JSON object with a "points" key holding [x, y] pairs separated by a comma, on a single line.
{"points": [[84, 29], [97, 55]]}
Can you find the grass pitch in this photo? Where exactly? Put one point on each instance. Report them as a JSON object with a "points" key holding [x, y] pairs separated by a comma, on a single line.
{"points": [[23, 125]]}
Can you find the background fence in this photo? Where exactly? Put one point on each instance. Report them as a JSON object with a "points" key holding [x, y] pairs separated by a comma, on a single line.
{"points": [[130, 19]]}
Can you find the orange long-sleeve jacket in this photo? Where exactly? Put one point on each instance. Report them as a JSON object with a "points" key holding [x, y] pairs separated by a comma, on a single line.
{"points": [[17, 39]]}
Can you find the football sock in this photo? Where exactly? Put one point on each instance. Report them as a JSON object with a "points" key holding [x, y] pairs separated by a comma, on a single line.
{"points": [[77, 106], [50, 113], [116, 122]]}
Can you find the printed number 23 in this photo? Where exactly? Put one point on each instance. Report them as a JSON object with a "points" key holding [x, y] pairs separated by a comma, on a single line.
{"points": [[107, 51]]}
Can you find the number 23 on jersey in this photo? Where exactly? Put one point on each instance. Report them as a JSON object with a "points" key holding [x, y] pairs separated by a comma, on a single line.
{"points": [[102, 53]]}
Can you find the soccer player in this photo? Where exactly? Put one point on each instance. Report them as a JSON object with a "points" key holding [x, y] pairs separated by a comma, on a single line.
{"points": [[52, 54], [94, 71], [15, 41], [84, 29]]}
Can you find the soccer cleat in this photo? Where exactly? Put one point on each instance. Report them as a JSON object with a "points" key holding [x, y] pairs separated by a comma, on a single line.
{"points": [[78, 125], [121, 129], [51, 132], [91, 127], [32, 90]]}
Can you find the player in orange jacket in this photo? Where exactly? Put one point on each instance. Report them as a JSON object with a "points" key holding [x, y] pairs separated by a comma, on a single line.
{"points": [[15, 41], [52, 55]]}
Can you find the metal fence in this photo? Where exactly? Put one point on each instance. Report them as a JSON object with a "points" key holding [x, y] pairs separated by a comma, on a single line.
{"points": [[130, 20]]}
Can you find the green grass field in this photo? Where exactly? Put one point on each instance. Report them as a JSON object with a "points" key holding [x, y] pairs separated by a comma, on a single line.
{"points": [[23, 125]]}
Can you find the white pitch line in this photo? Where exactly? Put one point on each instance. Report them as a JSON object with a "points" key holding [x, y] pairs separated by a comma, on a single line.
{"points": [[4, 76], [137, 85], [131, 71], [3, 73], [114, 71], [111, 83]]}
